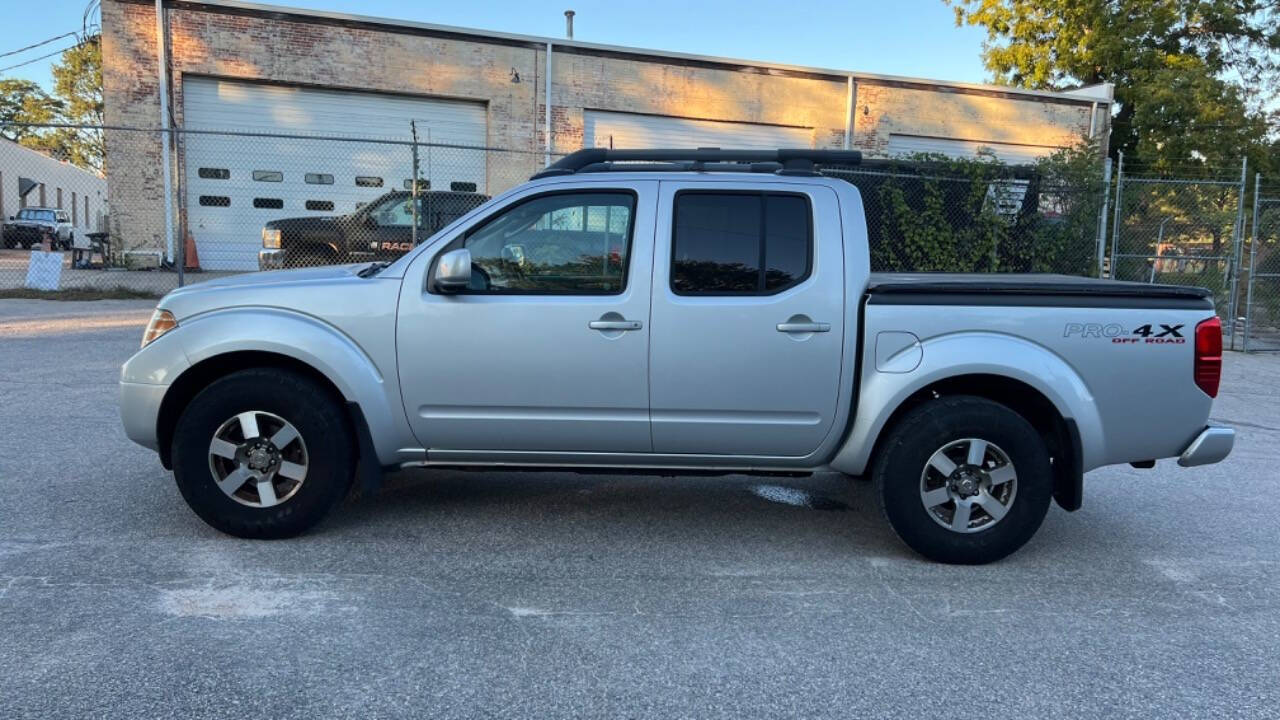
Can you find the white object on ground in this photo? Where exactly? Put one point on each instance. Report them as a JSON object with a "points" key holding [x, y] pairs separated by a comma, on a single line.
{"points": [[44, 271]]}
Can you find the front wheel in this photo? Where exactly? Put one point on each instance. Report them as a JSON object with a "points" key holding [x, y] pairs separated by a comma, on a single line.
{"points": [[964, 480], [263, 453]]}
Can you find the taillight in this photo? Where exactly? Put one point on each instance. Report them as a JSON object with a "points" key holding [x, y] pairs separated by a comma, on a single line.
{"points": [[1208, 369]]}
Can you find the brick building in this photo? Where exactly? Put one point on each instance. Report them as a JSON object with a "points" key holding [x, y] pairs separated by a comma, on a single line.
{"points": [[265, 70]]}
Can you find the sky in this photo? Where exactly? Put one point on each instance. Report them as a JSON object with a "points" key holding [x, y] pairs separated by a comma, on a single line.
{"points": [[916, 38]]}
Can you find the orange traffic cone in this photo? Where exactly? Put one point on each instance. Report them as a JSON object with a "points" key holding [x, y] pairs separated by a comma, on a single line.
{"points": [[190, 256]]}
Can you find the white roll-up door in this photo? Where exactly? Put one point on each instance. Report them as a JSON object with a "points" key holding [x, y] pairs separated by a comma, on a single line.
{"points": [[636, 131], [235, 183], [1010, 153]]}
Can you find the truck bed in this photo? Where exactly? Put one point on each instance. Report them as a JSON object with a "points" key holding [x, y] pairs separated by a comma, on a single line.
{"points": [[1027, 289]]}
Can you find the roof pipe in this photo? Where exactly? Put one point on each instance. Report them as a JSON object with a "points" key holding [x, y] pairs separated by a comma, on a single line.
{"points": [[568, 24]]}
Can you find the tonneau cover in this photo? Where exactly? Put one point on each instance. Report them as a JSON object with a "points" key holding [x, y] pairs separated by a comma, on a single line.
{"points": [[1023, 284]]}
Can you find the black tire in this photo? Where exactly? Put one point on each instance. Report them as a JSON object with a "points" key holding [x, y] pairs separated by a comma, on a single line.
{"points": [[907, 450], [314, 412]]}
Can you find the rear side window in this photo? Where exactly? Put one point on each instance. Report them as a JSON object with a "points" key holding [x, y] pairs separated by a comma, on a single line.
{"points": [[740, 243]]}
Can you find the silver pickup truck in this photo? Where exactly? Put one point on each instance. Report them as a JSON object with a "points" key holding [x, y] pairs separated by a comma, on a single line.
{"points": [[665, 312]]}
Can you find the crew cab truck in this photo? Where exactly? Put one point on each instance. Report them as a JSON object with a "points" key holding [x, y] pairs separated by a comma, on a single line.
{"points": [[33, 224], [379, 230], [666, 311]]}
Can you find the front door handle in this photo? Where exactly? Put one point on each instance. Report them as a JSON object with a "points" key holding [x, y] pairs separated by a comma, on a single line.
{"points": [[804, 327], [615, 324]]}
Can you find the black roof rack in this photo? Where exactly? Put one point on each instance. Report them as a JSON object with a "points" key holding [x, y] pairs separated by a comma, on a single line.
{"points": [[799, 161]]}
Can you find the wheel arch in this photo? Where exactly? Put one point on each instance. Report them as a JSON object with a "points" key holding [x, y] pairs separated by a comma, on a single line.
{"points": [[1015, 372], [1061, 434], [216, 344], [199, 376]]}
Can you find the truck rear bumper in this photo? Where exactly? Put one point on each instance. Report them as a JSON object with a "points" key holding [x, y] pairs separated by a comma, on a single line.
{"points": [[1212, 445]]}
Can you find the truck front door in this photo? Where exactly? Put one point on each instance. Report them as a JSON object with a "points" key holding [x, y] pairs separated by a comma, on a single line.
{"points": [[548, 350], [747, 320]]}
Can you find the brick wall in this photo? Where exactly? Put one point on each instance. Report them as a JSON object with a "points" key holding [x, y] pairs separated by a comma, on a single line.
{"points": [[881, 110], [332, 55]]}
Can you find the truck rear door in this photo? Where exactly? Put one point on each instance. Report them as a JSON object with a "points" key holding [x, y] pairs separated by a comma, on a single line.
{"points": [[747, 320]]}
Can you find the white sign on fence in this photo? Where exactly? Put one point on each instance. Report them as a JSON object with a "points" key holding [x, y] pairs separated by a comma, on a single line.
{"points": [[44, 272]]}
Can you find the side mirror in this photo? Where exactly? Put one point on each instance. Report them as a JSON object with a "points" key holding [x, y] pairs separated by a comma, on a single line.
{"points": [[453, 271]]}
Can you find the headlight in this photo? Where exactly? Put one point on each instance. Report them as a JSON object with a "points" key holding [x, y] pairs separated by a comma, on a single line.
{"points": [[270, 238], [162, 321]]}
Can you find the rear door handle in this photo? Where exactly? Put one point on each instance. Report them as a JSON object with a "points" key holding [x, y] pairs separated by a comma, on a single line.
{"points": [[804, 327], [615, 324]]}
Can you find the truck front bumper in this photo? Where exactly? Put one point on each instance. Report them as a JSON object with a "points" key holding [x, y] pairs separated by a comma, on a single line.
{"points": [[1212, 445], [271, 259], [139, 409]]}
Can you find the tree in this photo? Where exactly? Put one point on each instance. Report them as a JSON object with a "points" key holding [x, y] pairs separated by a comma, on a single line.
{"points": [[76, 100], [1193, 77], [77, 83], [22, 101]]}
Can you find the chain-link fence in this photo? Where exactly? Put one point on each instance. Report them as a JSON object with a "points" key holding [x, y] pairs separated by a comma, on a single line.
{"points": [[1262, 297], [237, 202], [246, 201], [1179, 232], [929, 214]]}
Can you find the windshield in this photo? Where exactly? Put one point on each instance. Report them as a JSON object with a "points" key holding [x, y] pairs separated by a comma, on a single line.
{"points": [[46, 215]]}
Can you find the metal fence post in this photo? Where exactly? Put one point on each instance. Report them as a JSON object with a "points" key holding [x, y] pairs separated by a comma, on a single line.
{"points": [[1102, 216], [1115, 224], [1236, 253], [1253, 262], [413, 187]]}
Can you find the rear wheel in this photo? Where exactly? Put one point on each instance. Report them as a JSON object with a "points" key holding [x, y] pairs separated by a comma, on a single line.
{"points": [[263, 453], [964, 480]]}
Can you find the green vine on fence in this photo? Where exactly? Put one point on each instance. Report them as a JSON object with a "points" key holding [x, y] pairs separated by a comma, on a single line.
{"points": [[931, 213]]}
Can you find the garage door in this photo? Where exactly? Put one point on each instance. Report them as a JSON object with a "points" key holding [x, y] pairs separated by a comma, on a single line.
{"points": [[234, 184], [1010, 153], [634, 131]]}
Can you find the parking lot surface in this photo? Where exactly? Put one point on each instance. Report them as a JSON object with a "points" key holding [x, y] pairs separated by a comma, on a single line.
{"points": [[452, 594]]}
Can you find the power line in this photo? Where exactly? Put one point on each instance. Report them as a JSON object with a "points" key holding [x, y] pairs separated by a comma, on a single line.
{"points": [[42, 42], [43, 57]]}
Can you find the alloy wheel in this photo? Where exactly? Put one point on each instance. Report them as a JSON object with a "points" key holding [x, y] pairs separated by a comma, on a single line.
{"points": [[258, 459]]}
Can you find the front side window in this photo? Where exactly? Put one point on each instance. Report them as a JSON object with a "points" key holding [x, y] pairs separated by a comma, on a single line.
{"points": [[567, 243], [395, 211], [740, 243]]}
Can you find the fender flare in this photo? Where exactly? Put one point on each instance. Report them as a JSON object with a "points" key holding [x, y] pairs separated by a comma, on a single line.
{"points": [[315, 343], [972, 353]]}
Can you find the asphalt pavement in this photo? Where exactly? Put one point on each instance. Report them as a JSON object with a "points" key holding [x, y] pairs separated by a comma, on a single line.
{"points": [[456, 594]]}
